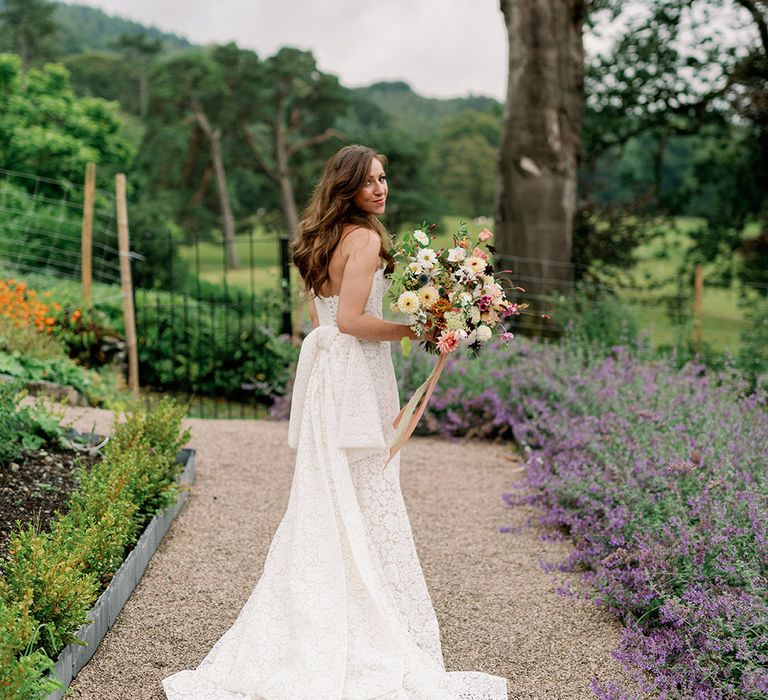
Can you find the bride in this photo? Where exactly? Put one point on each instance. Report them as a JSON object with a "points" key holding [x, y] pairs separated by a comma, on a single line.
{"points": [[341, 611]]}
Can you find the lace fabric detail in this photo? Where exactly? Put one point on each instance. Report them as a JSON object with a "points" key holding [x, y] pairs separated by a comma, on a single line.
{"points": [[342, 610]]}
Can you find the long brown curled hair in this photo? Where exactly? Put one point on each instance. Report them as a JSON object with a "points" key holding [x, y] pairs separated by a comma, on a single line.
{"points": [[330, 209]]}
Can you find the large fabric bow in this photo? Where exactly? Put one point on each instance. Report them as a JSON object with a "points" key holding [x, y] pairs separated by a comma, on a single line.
{"points": [[337, 363]]}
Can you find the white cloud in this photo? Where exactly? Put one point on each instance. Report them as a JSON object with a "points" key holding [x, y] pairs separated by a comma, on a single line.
{"points": [[440, 48]]}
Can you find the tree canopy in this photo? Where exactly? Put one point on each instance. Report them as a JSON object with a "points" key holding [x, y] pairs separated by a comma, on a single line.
{"points": [[46, 130], [27, 27]]}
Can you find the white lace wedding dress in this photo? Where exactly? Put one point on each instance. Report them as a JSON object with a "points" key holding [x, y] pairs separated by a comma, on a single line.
{"points": [[341, 611]]}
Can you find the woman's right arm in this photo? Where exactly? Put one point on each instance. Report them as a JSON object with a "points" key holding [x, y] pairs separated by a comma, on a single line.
{"points": [[362, 262]]}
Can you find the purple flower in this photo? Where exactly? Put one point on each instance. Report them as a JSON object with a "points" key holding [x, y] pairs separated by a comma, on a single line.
{"points": [[484, 302]]}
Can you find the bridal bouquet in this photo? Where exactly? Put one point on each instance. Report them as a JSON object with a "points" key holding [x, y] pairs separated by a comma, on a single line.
{"points": [[454, 297], [453, 291]]}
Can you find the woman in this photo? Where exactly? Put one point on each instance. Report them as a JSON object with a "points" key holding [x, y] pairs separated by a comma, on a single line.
{"points": [[341, 611]]}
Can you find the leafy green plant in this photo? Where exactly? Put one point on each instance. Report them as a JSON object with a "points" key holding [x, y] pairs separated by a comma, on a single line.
{"points": [[23, 428], [211, 347], [98, 526], [61, 594], [28, 342], [24, 667], [596, 318], [100, 387]]}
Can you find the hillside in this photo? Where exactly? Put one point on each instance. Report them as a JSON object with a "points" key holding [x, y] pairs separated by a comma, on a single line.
{"points": [[418, 114], [83, 28]]}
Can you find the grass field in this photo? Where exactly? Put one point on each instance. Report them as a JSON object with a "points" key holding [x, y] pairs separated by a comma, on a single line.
{"points": [[653, 278], [656, 275], [259, 255]]}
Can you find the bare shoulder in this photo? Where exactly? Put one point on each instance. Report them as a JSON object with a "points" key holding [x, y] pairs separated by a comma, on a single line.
{"points": [[359, 239]]}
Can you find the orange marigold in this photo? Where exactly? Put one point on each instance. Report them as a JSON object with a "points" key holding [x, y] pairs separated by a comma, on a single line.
{"points": [[22, 304]]}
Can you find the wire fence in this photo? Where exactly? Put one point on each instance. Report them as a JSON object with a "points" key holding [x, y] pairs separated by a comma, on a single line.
{"points": [[40, 227], [188, 332]]}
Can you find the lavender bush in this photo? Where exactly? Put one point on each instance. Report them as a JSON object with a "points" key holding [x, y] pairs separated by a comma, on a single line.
{"points": [[660, 478]]}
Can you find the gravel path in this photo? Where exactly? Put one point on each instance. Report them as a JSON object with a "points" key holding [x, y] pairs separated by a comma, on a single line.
{"points": [[498, 610]]}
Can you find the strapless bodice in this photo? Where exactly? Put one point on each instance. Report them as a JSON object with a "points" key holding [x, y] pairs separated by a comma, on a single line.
{"points": [[328, 307]]}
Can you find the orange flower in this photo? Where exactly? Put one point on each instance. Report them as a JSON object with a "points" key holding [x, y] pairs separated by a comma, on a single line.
{"points": [[22, 305]]}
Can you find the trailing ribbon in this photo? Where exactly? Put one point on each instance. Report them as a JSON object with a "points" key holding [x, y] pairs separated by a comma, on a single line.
{"points": [[406, 421]]}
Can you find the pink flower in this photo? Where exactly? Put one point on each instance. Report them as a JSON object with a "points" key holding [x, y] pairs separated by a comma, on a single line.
{"points": [[484, 303], [485, 234], [477, 253], [511, 309], [507, 336], [447, 342]]}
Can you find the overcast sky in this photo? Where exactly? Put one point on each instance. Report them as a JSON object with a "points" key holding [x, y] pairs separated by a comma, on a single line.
{"points": [[442, 48]]}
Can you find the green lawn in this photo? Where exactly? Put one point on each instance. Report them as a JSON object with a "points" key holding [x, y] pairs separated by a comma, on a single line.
{"points": [[656, 276], [258, 255]]}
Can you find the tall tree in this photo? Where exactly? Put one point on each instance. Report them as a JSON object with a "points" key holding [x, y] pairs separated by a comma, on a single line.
{"points": [[46, 130], [540, 140], [104, 74], [189, 103], [298, 107], [694, 70], [27, 27], [139, 49], [413, 194]]}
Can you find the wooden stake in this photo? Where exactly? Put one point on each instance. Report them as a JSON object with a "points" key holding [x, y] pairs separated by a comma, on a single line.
{"points": [[127, 286], [87, 232], [698, 302]]}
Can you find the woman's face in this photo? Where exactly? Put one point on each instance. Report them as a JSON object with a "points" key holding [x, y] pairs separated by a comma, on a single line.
{"points": [[372, 196]]}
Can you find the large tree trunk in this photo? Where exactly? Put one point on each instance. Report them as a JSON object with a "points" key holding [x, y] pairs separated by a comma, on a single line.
{"points": [[228, 220], [536, 197]]}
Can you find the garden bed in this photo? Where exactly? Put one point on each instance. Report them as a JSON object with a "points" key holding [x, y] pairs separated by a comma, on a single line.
{"points": [[102, 616], [118, 502], [656, 473], [35, 487]]}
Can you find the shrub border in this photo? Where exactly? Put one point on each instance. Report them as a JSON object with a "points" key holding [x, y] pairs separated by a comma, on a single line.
{"points": [[107, 607]]}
